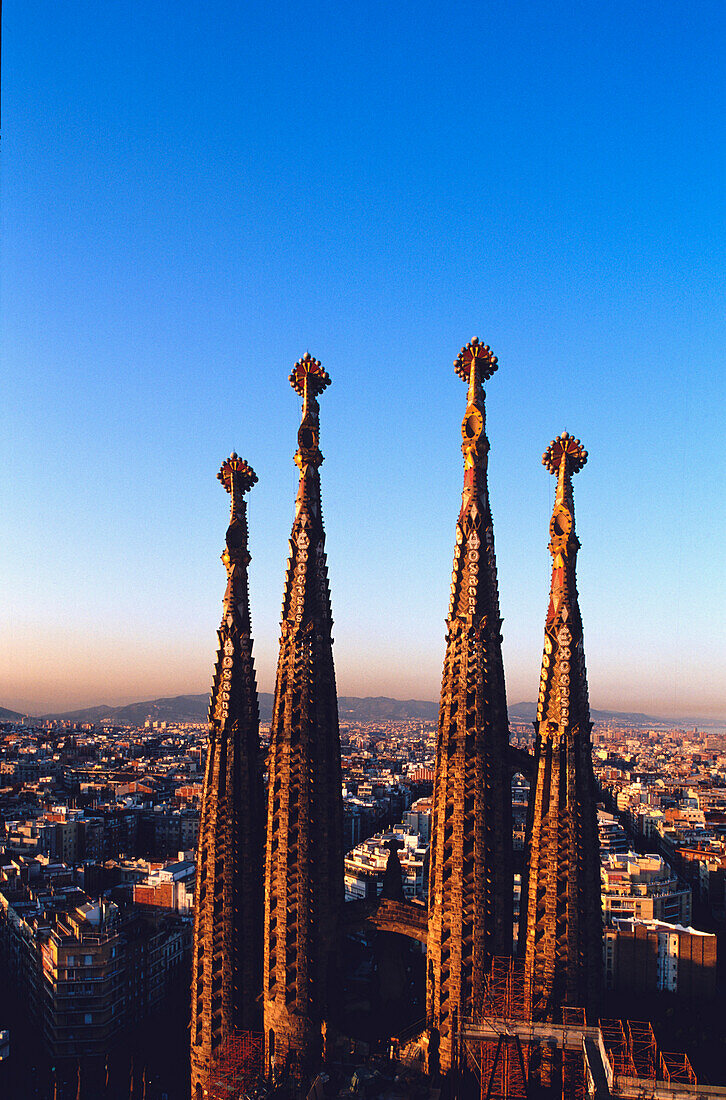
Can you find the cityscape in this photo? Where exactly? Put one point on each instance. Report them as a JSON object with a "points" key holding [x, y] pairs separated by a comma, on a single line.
{"points": [[107, 810], [434, 905], [449, 821]]}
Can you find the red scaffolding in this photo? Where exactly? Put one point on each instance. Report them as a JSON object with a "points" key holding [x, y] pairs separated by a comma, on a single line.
{"points": [[676, 1069], [504, 1068], [633, 1052], [573, 1075], [573, 1016], [502, 1064], [517, 1052], [573, 1065], [617, 1048], [506, 991], [643, 1050], [237, 1066]]}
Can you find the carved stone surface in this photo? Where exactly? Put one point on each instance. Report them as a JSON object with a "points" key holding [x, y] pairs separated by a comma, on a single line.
{"points": [[304, 876], [470, 881], [561, 923], [227, 956]]}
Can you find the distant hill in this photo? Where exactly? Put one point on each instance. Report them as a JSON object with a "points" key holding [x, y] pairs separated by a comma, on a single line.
{"points": [[9, 715], [370, 710], [177, 708], [529, 710], [193, 708]]}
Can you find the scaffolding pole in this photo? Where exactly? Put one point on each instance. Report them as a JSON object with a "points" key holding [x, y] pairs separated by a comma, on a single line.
{"points": [[236, 1067]]}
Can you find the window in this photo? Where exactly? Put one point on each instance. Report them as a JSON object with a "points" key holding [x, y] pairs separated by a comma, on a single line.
{"points": [[88, 1018]]}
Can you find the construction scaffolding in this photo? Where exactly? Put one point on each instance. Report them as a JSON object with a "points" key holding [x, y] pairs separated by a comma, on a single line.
{"points": [[501, 1064], [676, 1069], [506, 991], [573, 1017], [509, 1053], [237, 1067], [573, 1075], [643, 1049], [502, 1068], [633, 1053], [573, 1063], [617, 1048]]}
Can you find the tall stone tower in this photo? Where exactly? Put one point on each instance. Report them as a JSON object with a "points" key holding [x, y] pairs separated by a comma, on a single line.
{"points": [[561, 923], [226, 975], [470, 878], [304, 850]]}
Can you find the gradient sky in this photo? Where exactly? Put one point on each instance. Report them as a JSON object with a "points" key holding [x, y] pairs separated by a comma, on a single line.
{"points": [[194, 194]]}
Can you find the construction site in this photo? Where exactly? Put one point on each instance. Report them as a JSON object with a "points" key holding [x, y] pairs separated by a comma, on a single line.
{"points": [[501, 1054], [513, 1056]]}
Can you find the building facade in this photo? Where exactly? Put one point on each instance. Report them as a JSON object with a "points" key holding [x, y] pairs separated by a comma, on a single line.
{"points": [[89, 971], [643, 887], [652, 956]]}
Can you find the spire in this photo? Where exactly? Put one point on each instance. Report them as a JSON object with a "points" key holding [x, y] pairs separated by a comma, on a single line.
{"points": [[475, 365], [238, 478], [308, 379], [560, 682], [227, 950], [470, 880], [561, 926], [304, 852]]}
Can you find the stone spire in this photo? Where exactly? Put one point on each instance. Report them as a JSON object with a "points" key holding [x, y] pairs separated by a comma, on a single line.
{"points": [[227, 956], [561, 922], [304, 851], [470, 879]]}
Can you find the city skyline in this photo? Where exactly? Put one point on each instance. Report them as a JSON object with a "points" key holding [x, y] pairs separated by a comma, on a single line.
{"points": [[184, 215]]}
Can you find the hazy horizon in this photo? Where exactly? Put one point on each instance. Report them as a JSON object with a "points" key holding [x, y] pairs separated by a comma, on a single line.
{"points": [[126, 700]]}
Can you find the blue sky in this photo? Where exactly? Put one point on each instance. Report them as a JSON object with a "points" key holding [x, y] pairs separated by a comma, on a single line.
{"points": [[195, 194]]}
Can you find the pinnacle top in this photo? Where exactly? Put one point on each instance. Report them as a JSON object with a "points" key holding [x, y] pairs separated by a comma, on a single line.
{"points": [[482, 353], [310, 369], [240, 469], [564, 444]]}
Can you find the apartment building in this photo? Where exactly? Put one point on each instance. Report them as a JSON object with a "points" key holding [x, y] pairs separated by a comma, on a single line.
{"points": [[647, 956], [642, 887]]}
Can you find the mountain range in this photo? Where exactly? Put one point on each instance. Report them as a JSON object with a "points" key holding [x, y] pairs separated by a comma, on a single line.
{"points": [[193, 708]]}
